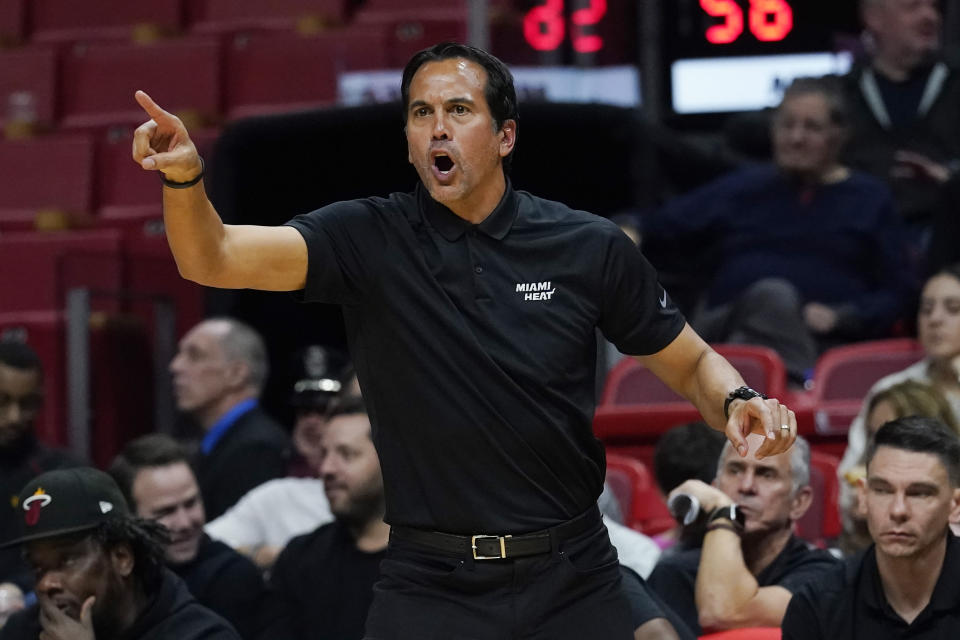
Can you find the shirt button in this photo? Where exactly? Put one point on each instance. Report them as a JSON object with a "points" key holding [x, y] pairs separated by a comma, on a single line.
{"points": [[478, 269]]}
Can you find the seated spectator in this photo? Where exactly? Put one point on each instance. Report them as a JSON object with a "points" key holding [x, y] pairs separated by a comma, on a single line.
{"points": [[318, 382], [154, 474], [653, 619], [750, 563], [908, 398], [263, 521], [325, 578], [99, 571], [22, 456], [803, 253], [905, 585], [938, 329], [684, 452], [218, 374], [904, 102], [634, 549]]}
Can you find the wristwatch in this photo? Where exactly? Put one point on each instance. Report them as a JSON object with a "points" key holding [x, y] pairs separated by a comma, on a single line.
{"points": [[740, 393], [729, 512]]}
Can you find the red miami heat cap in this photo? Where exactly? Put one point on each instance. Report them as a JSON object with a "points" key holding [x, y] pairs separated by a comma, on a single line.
{"points": [[67, 501]]}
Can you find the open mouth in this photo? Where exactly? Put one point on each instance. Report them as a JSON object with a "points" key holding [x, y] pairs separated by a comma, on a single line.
{"points": [[443, 163]]}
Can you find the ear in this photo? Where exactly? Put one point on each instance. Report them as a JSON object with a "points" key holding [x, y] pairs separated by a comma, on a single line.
{"points": [[121, 558], [955, 507], [238, 373], [800, 502], [508, 137]]}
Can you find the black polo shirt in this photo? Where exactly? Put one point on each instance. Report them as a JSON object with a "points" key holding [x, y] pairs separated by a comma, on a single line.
{"points": [[849, 603], [674, 578], [475, 348]]}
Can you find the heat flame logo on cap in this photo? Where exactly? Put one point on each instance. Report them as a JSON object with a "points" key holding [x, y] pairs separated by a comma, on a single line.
{"points": [[33, 504]]}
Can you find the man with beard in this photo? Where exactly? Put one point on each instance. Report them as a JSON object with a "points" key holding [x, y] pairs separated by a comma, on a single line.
{"points": [[326, 577], [154, 475], [750, 563], [21, 456], [99, 572], [905, 585]]}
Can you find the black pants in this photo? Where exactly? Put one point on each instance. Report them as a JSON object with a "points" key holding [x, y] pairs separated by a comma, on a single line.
{"points": [[573, 592]]}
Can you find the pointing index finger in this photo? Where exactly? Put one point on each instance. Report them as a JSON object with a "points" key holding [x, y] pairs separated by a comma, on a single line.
{"points": [[152, 108]]}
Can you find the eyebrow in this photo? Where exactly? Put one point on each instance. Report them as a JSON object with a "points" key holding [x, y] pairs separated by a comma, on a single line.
{"points": [[458, 100]]}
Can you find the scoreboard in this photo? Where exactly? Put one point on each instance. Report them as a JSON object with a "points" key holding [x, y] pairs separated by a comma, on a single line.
{"points": [[718, 55]]}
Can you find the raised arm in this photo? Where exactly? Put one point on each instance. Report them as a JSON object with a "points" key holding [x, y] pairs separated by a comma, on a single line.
{"points": [[691, 368], [206, 250], [727, 594]]}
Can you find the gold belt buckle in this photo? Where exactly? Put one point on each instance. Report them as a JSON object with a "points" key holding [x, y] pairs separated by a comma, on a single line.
{"points": [[503, 547]]}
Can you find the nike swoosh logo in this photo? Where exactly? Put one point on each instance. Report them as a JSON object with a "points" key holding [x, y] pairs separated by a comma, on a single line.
{"points": [[663, 300]]}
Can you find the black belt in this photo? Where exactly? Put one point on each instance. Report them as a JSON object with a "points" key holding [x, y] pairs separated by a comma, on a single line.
{"points": [[498, 547]]}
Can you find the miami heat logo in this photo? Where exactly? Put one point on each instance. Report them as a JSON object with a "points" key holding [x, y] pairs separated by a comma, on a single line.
{"points": [[33, 504]]}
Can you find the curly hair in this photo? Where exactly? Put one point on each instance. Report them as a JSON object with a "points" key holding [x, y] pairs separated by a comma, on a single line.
{"points": [[147, 541]]}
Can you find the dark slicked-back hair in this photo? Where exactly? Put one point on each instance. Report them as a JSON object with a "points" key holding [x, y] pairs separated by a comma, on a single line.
{"points": [[921, 435], [153, 450], [500, 93], [19, 355]]}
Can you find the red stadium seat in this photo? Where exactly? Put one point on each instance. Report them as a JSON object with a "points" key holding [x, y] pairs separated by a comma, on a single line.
{"points": [[98, 81], [13, 14], [126, 195], [272, 72], [29, 72], [65, 20], [40, 268], [637, 493], [51, 172], [844, 375], [218, 16], [407, 31], [629, 382], [821, 524]]}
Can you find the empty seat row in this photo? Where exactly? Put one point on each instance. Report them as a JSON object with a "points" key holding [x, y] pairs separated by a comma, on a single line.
{"points": [[636, 408], [206, 78], [79, 179]]}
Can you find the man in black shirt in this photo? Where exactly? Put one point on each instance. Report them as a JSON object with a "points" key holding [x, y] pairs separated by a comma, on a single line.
{"points": [[905, 586], [154, 474], [750, 563], [904, 99], [21, 456], [99, 571], [218, 374], [325, 578], [471, 312]]}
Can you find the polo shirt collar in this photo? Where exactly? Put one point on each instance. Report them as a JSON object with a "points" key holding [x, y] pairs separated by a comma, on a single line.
{"points": [[946, 593], [452, 227], [221, 426]]}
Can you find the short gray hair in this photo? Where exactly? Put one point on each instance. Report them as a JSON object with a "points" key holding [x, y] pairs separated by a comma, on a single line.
{"points": [[799, 462], [242, 342]]}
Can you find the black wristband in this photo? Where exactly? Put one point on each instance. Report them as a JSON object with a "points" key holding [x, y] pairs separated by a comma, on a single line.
{"points": [[183, 185]]}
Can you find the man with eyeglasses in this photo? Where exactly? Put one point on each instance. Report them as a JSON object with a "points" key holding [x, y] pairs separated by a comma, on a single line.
{"points": [[22, 457]]}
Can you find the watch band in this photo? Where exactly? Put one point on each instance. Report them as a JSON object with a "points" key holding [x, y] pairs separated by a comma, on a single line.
{"points": [[727, 512], [740, 393]]}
